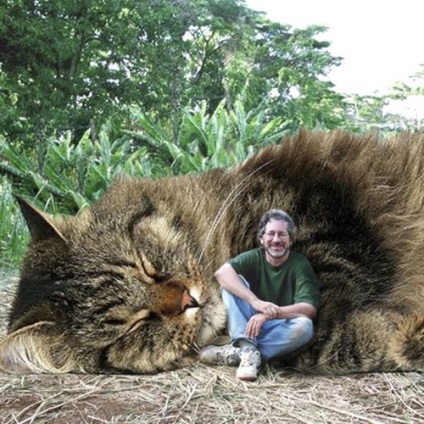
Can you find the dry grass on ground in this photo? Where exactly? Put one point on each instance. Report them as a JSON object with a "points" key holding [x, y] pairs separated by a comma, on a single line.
{"points": [[203, 394]]}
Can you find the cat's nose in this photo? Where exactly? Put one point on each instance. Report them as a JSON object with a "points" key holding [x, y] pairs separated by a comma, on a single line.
{"points": [[174, 298], [188, 301]]}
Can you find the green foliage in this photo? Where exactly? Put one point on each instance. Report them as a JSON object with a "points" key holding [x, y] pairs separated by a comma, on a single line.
{"points": [[206, 141], [68, 176], [13, 231], [387, 113], [366, 113], [402, 93], [69, 65], [291, 70]]}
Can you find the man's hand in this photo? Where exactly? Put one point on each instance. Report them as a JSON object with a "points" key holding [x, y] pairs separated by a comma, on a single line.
{"points": [[254, 325], [269, 309]]}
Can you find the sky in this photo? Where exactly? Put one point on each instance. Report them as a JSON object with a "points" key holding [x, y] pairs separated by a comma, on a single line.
{"points": [[380, 41]]}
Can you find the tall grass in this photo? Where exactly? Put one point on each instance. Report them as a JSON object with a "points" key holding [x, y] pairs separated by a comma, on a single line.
{"points": [[13, 231], [223, 139], [68, 176]]}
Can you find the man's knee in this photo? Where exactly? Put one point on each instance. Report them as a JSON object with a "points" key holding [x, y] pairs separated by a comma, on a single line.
{"points": [[227, 296], [302, 329]]}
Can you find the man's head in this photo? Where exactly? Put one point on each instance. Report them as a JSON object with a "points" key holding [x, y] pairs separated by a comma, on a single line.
{"points": [[278, 215], [276, 234]]}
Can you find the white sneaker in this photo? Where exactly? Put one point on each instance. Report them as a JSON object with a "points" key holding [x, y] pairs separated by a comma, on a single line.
{"points": [[250, 361], [220, 355]]}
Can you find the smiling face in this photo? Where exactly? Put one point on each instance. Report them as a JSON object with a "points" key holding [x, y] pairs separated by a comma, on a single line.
{"points": [[276, 241]]}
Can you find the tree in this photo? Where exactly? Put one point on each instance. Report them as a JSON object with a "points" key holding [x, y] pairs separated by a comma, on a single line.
{"points": [[73, 65], [388, 113]]}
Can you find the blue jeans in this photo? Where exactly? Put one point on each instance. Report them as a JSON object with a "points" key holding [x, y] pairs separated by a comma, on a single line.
{"points": [[277, 337]]}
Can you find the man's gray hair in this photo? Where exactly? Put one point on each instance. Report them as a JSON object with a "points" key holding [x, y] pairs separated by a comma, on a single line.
{"points": [[278, 215]]}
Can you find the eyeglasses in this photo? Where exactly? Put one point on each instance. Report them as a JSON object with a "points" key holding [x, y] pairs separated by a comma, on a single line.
{"points": [[280, 236]]}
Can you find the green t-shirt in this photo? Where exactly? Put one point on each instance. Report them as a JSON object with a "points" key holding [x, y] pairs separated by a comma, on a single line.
{"points": [[292, 282]]}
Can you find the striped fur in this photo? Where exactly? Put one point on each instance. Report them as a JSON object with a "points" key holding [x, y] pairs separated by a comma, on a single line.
{"points": [[127, 285]]}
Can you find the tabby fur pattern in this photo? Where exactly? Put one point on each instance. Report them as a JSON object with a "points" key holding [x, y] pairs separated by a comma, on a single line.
{"points": [[127, 285]]}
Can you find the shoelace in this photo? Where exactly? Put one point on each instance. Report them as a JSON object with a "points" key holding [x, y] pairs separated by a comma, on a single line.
{"points": [[247, 358], [227, 355]]}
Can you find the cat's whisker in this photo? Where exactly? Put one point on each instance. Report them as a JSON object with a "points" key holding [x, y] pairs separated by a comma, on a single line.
{"points": [[229, 200], [195, 347], [209, 268]]}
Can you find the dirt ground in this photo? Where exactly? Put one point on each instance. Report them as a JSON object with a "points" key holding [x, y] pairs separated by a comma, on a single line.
{"points": [[202, 394]]}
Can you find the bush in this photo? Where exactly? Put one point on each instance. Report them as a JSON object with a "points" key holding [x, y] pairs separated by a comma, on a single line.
{"points": [[204, 141], [13, 231], [60, 176]]}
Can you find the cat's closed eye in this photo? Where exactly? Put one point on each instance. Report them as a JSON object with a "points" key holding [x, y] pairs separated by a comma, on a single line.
{"points": [[140, 319]]}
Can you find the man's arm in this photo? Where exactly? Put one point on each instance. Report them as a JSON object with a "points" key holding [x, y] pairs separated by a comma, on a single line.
{"points": [[301, 309], [229, 280], [297, 310]]}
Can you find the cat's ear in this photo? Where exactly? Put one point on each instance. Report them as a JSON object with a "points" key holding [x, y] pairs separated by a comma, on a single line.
{"points": [[39, 224], [37, 348]]}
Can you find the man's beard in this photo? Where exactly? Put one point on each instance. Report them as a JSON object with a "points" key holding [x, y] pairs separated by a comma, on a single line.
{"points": [[277, 254]]}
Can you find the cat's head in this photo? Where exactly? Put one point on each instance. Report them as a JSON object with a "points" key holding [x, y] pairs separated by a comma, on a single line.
{"points": [[116, 288]]}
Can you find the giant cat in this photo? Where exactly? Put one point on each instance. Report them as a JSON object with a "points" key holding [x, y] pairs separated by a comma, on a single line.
{"points": [[127, 285]]}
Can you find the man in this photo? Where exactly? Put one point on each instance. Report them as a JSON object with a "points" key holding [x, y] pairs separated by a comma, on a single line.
{"points": [[271, 295]]}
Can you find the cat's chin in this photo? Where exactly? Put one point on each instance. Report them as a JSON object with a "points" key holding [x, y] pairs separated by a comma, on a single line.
{"points": [[213, 322]]}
